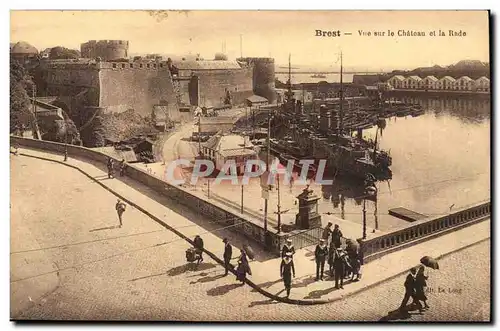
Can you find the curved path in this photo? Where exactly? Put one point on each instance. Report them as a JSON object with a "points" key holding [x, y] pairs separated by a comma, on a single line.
{"points": [[62, 220]]}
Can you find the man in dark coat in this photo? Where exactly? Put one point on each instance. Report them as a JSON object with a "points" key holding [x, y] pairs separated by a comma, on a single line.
{"points": [[336, 236], [339, 266], [228, 254], [287, 271], [198, 244], [327, 232], [410, 290], [320, 254], [120, 209], [122, 167], [111, 165], [287, 248]]}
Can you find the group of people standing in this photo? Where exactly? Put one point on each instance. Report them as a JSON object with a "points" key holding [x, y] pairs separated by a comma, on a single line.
{"points": [[415, 284], [243, 265], [342, 263], [111, 167]]}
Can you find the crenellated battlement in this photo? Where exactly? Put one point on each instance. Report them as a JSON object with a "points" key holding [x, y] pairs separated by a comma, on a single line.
{"points": [[115, 65], [262, 60], [105, 49]]}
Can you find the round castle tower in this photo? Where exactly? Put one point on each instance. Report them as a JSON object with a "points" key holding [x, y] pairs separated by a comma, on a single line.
{"points": [[107, 50], [263, 76]]}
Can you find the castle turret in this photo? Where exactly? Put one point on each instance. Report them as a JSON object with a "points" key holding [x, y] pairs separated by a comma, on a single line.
{"points": [[107, 50], [263, 76]]}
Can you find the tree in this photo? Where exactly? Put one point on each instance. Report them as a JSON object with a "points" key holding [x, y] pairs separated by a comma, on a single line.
{"points": [[63, 53], [63, 131], [20, 114]]}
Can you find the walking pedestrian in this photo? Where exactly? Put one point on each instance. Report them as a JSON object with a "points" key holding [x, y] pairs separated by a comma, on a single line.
{"points": [[339, 266], [243, 267], [287, 271], [287, 248], [111, 165], [120, 209], [420, 285], [198, 244], [228, 254], [122, 167], [327, 232], [410, 292], [336, 236], [320, 254]]}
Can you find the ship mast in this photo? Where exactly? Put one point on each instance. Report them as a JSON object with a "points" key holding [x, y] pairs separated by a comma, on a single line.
{"points": [[341, 126], [289, 92]]}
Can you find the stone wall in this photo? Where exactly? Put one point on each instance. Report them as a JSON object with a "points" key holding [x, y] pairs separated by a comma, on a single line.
{"points": [[124, 88], [426, 229], [213, 85], [218, 212], [71, 79]]}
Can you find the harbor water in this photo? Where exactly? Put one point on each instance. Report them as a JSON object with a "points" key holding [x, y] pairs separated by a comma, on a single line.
{"points": [[440, 162]]}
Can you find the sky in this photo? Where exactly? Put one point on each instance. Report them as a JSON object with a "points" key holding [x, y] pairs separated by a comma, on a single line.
{"points": [[271, 33]]}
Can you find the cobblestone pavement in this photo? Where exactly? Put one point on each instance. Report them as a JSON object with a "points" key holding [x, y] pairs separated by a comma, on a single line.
{"points": [[61, 220]]}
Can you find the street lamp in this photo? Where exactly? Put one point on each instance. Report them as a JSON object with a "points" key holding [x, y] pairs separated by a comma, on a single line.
{"points": [[370, 190], [65, 140]]}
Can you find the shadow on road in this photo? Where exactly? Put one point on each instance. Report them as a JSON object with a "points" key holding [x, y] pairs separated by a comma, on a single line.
{"points": [[176, 271], [223, 289], [316, 294], [208, 279], [267, 284], [264, 302], [396, 315], [401, 314], [150, 276], [304, 282], [105, 228]]}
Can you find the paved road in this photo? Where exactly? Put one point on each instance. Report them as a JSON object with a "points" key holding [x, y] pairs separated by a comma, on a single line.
{"points": [[62, 221]]}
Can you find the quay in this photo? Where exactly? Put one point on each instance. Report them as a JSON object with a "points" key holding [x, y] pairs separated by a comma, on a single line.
{"points": [[406, 214]]}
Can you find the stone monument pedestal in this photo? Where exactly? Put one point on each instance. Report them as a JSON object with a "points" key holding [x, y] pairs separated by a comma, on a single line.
{"points": [[308, 216]]}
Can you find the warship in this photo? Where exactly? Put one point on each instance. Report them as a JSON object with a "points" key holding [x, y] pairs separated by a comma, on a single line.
{"points": [[325, 136]]}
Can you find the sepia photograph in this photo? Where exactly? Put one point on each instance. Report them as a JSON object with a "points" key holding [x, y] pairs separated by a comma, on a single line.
{"points": [[250, 166]]}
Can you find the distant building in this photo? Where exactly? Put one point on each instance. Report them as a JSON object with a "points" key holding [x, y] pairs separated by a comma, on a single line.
{"points": [[255, 101], [396, 81], [23, 52], [446, 83], [482, 84], [412, 82], [464, 83], [224, 148], [429, 83]]}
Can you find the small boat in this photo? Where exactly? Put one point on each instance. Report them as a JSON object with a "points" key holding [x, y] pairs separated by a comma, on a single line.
{"points": [[318, 76], [417, 112]]}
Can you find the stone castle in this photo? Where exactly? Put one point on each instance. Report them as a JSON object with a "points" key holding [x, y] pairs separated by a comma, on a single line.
{"points": [[106, 79]]}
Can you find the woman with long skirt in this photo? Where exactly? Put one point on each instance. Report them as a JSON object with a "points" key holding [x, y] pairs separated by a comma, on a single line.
{"points": [[243, 268], [420, 285]]}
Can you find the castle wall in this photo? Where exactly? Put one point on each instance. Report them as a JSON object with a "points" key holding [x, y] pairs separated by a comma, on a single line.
{"points": [[124, 87], [263, 77], [213, 85], [75, 84]]}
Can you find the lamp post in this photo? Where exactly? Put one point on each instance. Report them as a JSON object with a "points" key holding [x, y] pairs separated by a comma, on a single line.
{"points": [[370, 190], [242, 198], [65, 141]]}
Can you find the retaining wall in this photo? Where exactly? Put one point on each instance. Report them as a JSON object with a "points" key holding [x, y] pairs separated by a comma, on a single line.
{"points": [[426, 229], [212, 209]]}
